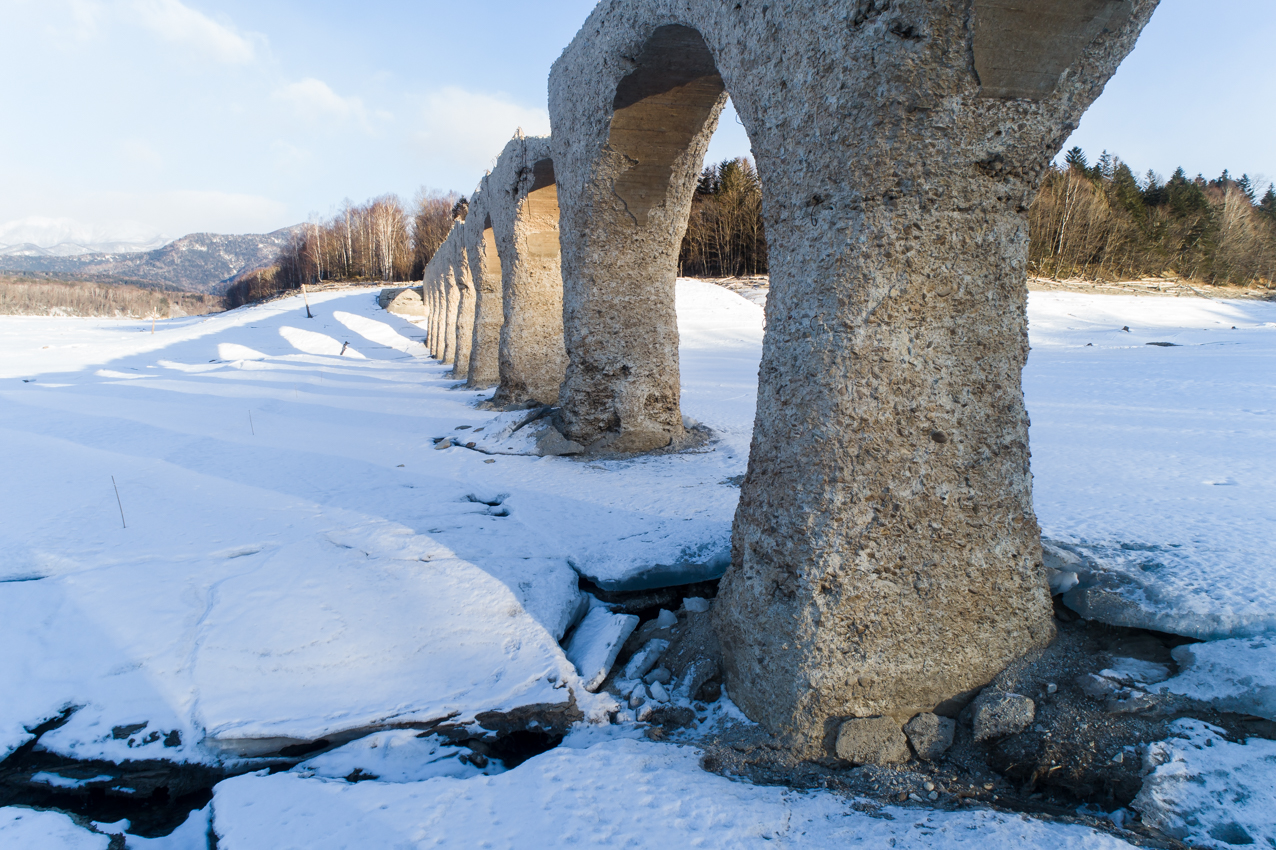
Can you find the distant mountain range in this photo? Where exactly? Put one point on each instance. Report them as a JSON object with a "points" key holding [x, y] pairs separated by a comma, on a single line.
{"points": [[76, 249], [198, 262]]}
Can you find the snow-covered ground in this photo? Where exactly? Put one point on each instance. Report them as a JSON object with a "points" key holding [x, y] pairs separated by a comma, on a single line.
{"points": [[297, 560], [1156, 464]]}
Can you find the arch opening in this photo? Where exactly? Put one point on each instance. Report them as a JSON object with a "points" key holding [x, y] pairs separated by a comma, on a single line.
{"points": [[621, 392]]}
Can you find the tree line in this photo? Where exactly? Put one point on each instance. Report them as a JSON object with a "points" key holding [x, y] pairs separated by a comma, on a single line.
{"points": [[1102, 222], [1098, 222], [725, 236], [380, 240], [41, 295]]}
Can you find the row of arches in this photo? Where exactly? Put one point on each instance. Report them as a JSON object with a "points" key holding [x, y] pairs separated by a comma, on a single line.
{"points": [[494, 290], [886, 559]]}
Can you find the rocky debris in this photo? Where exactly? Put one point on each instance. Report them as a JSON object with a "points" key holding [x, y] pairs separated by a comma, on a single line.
{"points": [[551, 443], [696, 674], [402, 301], [670, 717], [596, 642], [930, 735], [871, 740], [996, 714]]}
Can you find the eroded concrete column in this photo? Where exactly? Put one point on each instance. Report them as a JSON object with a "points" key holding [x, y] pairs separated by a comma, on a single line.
{"points": [[464, 332], [452, 303], [886, 559], [524, 214], [485, 271], [627, 174], [432, 284]]}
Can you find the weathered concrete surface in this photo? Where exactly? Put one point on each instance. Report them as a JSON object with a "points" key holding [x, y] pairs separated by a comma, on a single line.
{"points": [[485, 272], [452, 304], [627, 162], [524, 212], [871, 740], [886, 560], [463, 334]]}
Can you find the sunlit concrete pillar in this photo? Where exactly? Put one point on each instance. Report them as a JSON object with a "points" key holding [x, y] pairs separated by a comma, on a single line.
{"points": [[886, 559], [485, 271], [524, 218]]}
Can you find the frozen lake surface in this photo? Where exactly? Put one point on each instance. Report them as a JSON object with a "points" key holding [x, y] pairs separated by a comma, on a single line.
{"points": [[300, 562]]}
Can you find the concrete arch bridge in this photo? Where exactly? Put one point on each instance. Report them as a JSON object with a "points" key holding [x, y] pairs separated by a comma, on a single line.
{"points": [[886, 559]]}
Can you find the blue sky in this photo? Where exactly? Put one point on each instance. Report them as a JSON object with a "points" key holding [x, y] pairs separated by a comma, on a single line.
{"points": [[126, 119]]}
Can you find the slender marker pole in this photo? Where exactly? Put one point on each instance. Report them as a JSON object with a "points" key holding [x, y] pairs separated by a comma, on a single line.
{"points": [[117, 500], [307, 298], [250, 423]]}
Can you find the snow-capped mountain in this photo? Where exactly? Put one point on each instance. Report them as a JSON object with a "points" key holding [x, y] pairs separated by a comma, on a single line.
{"points": [[70, 248], [199, 262]]}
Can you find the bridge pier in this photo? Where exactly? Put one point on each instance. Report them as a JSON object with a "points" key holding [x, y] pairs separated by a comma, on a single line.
{"points": [[525, 228], [886, 559]]}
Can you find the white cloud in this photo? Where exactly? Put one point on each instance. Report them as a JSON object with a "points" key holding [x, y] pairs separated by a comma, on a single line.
{"points": [[314, 99], [48, 231], [86, 17], [469, 129], [179, 24], [144, 216]]}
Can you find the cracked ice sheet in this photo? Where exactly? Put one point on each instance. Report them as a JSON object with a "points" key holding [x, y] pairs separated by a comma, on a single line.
{"points": [[619, 793], [1154, 465], [277, 576]]}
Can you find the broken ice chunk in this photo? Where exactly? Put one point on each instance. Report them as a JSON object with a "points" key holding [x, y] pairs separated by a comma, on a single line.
{"points": [[644, 659], [696, 604], [1130, 671], [596, 643], [666, 619], [1237, 675]]}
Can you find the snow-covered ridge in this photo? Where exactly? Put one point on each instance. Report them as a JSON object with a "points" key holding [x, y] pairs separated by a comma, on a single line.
{"points": [[199, 262]]}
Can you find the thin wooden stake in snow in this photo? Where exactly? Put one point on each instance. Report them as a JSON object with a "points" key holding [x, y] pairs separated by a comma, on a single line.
{"points": [[152, 326], [250, 423], [117, 500], [344, 346], [307, 298]]}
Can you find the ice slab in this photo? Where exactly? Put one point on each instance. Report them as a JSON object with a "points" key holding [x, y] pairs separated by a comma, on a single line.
{"points": [[674, 552], [290, 563], [1237, 675], [594, 645], [398, 755], [619, 793], [1208, 792], [28, 829], [1166, 589]]}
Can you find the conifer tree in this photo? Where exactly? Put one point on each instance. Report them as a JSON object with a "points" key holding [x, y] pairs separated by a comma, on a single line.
{"points": [[1268, 204]]}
